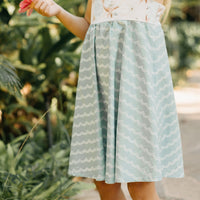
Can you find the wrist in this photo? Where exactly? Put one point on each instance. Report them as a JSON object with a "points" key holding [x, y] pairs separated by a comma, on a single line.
{"points": [[59, 12]]}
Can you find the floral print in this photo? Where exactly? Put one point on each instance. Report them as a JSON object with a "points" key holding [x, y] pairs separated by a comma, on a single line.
{"points": [[141, 10], [109, 6]]}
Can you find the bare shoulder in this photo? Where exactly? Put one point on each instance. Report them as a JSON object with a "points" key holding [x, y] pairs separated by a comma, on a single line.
{"points": [[88, 11]]}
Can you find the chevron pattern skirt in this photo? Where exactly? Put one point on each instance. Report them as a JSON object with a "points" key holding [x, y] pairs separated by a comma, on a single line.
{"points": [[125, 126]]}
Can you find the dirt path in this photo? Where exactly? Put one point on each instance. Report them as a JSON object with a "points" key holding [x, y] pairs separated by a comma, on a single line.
{"points": [[188, 108]]}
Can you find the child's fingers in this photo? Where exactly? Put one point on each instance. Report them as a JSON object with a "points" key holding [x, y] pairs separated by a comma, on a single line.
{"points": [[35, 1], [38, 4], [46, 11], [43, 7]]}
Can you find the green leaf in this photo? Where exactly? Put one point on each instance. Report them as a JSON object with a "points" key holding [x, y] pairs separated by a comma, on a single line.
{"points": [[46, 44], [34, 191], [2, 147], [10, 159], [9, 80], [48, 192]]}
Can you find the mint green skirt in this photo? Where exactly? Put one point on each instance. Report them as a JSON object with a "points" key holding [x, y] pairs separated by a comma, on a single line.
{"points": [[125, 126]]}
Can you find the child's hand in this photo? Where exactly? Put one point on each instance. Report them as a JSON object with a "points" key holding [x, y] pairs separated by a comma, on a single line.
{"points": [[46, 8]]}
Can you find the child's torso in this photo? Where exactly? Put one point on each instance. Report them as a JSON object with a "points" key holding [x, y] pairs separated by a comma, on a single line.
{"points": [[139, 10]]}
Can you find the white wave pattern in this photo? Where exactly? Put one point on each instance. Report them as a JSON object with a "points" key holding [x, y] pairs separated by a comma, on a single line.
{"points": [[125, 126]]}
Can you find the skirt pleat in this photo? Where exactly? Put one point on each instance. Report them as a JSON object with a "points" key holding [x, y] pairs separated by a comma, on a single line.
{"points": [[125, 126]]}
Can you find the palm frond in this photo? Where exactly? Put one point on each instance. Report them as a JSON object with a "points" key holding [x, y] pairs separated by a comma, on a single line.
{"points": [[9, 81]]}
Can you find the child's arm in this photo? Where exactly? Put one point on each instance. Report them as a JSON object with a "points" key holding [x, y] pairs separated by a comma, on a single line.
{"points": [[75, 24]]}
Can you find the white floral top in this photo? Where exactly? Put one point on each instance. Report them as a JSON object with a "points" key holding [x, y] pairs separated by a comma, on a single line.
{"points": [[140, 10]]}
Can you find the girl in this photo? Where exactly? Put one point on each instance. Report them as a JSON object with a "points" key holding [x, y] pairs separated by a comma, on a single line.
{"points": [[125, 122]]}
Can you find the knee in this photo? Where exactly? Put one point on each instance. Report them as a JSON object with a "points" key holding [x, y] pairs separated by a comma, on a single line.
{"points": [[138, 185], [102, 186], [140, 190]]}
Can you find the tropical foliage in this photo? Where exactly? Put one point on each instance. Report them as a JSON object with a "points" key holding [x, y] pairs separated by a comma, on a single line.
{"points": [[182, 37], [45, 56], [9, 80], [36, 173]]}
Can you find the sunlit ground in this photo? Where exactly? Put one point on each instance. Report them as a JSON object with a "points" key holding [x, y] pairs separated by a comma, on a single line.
{"points": [[188, 97]]}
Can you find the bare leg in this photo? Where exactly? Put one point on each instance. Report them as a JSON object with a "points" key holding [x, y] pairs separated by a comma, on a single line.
{"points": [[109, 191], [143, 191]]}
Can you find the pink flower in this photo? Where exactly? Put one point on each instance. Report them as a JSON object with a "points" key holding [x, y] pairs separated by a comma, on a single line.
{"points": [[26, 5]]}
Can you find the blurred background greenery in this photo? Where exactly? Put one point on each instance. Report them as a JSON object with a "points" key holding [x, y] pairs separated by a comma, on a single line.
{"points": [[46, 57]]}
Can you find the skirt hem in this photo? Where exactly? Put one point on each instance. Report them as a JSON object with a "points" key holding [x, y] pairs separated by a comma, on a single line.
{"points": [[121, 180]]}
